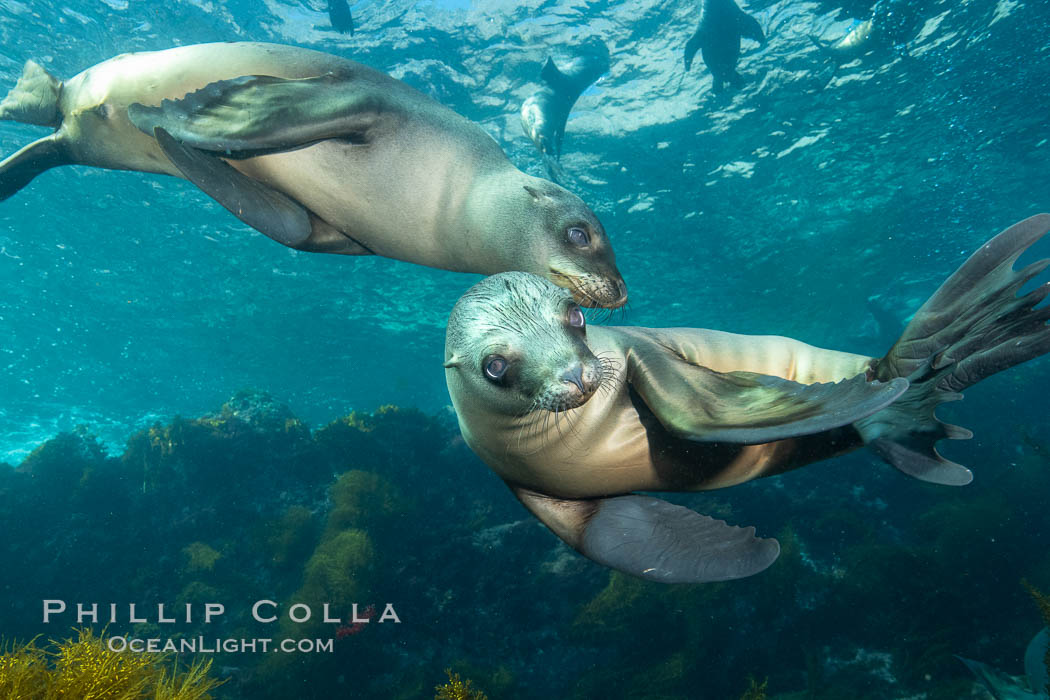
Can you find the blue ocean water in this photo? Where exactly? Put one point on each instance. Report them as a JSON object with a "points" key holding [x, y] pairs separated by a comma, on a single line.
{"points": [[792, 206]]}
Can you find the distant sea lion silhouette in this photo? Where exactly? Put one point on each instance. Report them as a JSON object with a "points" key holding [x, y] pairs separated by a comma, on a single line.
{"points": [[576, 419], [892, 23], [340, 16], [320, 154], [1002, 687], [544, 113], [717, 37]]}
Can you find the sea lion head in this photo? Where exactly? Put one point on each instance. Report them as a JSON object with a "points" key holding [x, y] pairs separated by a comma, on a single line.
{"points": [[517, 344], [569, 246]]}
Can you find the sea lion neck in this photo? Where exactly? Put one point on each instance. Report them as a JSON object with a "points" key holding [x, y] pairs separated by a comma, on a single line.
{"points": [[502, 224]]}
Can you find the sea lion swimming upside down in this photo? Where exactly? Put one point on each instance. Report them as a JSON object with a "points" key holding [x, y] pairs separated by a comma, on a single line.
{"points": [[320, 154], [575, 419]]}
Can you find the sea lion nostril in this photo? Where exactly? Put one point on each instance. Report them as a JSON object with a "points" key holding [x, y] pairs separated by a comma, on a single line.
{"points": [[574, 376]]}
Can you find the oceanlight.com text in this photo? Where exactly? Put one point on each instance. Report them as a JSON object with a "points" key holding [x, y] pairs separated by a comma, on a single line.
{"points": [[204, 645]]}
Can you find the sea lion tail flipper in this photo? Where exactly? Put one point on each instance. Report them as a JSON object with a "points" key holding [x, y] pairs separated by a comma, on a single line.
{"points": [[253, 114], [697, 403], [18, 169], [973, 326], [34, 98], [653, 539]]}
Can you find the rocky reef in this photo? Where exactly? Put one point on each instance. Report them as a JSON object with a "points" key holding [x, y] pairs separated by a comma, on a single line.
{"points": [[427, 563]]}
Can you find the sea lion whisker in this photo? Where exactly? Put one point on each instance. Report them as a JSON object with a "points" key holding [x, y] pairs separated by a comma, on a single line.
{"points": [[571, 435], [528, 427]]}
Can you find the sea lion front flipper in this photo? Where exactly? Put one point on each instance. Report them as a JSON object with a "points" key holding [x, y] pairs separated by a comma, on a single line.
{"points": [[261, 207], [19, 168], [698, 403], [551, 75], [998, 684], [653, 539], [692, 46], [749, 27], [258, 114], [1037, 661]]}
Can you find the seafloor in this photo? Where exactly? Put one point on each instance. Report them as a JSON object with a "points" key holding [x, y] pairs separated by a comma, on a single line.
{"points": [[869, 600]]}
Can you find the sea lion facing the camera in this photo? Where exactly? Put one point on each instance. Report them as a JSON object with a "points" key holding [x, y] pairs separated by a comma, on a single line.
{"points": [[320, 154], [576, 419]]}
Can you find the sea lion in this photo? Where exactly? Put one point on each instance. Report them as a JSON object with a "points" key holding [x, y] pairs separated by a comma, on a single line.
{"points": [[891, 24], [319, 153], [576, 419], [340, 16], [1036, 662], [717, 37], [544, 113]]}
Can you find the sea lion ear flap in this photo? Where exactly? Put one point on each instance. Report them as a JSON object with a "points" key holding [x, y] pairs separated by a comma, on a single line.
{"points": [[653, 539], [536, 194]]}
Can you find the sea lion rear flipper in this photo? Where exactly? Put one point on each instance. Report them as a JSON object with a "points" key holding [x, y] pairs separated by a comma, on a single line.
{"points": [[698, 403], [972, 327], [653, 539], [255, 114], [18, 169], [34, 98], [261, 207]]}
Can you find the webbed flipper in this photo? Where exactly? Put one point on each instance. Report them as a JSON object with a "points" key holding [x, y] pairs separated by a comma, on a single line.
{"points": [[697, 403], [653, 539], [258, 114], [973, 326], [19, 168], [1000, 685], [749, 27], [261, 207], [33, 100], [1036, 662]]}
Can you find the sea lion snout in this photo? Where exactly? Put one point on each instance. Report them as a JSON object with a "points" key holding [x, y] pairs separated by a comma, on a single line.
{"points": [[582, 383], [574, 376], [599, 291], [573, 386]]}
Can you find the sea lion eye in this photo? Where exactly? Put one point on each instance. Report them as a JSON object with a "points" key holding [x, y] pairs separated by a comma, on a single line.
{"points": [[576, 319], [579, 237], [495, 368]]}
